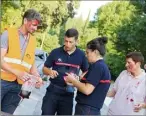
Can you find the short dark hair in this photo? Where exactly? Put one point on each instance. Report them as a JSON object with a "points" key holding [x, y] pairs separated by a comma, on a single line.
{"points": [[136, 57], [98, 44], [72, 33], [32, 14]]}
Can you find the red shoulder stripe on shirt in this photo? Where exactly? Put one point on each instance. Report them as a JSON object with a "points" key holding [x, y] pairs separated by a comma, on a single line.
{"points": [[105, 81]]}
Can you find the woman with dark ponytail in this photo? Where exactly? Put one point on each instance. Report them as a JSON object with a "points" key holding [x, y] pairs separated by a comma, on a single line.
{"points": [[93, 87]]}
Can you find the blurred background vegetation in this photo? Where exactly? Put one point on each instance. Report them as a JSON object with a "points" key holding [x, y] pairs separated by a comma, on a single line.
{"points": [[123, 22]]}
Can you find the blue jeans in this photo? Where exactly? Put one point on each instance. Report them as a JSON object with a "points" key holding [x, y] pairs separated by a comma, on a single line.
{"points": [[57, 100], [81, 109], [9, 96]]}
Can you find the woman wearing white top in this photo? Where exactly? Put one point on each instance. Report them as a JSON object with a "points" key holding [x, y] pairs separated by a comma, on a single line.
{"points": [[129, 90]]}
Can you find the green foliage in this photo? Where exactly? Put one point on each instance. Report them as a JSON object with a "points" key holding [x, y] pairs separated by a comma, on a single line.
{"points": [[116, 63], [50, 43], [124, 23], [132, 35], [111, 16], [89, 34], [54, 16], [77, 23]]}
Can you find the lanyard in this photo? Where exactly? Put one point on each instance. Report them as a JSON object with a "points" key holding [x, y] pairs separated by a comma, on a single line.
{"points": [[26, 39], [24, 43]]}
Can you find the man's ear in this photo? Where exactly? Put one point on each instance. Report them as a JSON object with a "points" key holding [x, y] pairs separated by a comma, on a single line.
{"points": [[25, 21], [77, 42], [96, 51]]}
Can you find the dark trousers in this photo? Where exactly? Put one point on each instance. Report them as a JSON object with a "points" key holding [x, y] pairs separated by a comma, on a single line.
{"points": [[57, 100], [81, 109], [9, 96]]}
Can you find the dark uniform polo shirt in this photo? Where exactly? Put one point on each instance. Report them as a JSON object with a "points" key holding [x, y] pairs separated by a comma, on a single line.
{"points": [[99, 76], [62, 62]]}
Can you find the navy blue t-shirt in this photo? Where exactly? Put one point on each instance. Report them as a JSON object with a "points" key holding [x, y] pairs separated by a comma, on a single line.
{"points": [[62, 62], [99, 76]]}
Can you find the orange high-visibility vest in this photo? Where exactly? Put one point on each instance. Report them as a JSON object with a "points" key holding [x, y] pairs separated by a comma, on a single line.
{"points": [[13, 56]]}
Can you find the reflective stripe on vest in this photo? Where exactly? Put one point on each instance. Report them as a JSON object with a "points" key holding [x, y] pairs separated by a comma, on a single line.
{"points": [[17, 61]]}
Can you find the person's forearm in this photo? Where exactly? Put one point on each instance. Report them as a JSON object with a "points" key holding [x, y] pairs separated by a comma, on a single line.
{"points": [[144, 105], [111, 93], [47, 71], [7, 67], [82, 87], [34, 71]]}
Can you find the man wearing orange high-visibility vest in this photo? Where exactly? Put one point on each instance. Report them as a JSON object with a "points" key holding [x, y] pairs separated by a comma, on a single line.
{"points": [[17, 59]]}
